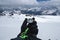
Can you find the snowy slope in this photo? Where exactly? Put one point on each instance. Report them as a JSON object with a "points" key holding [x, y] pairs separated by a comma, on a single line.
{"points": [[49, 26]]}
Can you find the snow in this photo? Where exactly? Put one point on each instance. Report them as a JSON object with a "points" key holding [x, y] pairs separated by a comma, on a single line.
{"points": [[48, 26], [48, 19]]}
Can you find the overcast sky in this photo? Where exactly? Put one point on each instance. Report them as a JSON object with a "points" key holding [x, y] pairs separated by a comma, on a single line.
{"points": [[30, 2]]}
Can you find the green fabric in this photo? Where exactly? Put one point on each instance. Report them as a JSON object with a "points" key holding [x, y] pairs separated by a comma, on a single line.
{"points": [[23, 35]]}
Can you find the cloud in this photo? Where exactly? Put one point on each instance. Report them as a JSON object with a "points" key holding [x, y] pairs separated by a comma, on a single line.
{"points": [[49, 2], [28, 2], [42, 0]]}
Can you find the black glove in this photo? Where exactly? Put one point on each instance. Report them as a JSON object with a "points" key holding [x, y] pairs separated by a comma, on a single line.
{"points": [[25, 20], [33, 18]]}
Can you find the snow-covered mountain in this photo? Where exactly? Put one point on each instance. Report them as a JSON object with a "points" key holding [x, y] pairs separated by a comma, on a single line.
{"points": [[45, 10], [49, 10]]}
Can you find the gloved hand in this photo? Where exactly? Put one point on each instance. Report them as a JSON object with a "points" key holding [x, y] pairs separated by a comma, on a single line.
{"points": [[33, 18]]}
